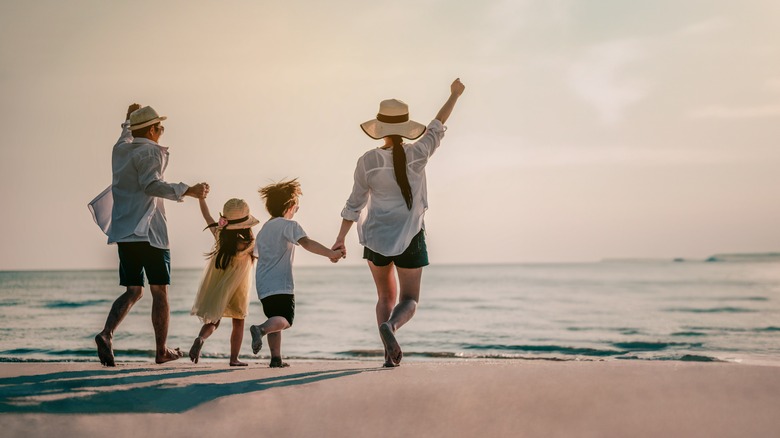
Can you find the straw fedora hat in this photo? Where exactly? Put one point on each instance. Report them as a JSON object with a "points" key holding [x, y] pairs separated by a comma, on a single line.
{"points": [[143, 117], [393, 119], [235, 215]]}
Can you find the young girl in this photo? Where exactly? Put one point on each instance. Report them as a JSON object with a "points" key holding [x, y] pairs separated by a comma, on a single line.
{"points": [[276, 243], [224, 290]]}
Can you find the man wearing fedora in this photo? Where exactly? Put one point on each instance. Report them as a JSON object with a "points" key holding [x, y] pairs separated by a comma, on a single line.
{"points": [[138, 226]]}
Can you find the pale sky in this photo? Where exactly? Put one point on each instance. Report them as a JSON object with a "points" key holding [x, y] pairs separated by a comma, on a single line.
{"points": [[588, 129]]}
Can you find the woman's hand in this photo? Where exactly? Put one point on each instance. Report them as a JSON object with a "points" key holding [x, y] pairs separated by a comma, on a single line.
{"points": [[339, 246], [457, 87]]}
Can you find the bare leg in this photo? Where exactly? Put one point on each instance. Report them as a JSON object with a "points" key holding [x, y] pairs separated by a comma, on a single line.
{"points": [[387, 293], [275, 344], [119, 310], [274, 324], [235, 342], [205, 332], [409, 280], [160, 318]]}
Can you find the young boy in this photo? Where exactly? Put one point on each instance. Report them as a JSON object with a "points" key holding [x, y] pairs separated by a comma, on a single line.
{"points": [[275, 247]]}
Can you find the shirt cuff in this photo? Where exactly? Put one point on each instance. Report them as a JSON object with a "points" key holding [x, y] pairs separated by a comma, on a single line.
{"points": [[350, 215], [179, 189]]}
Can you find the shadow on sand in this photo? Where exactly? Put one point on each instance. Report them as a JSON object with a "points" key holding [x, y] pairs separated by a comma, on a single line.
{"points": [[99, 392]]}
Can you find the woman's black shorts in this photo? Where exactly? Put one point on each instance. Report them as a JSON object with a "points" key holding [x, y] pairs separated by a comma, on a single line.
{"points": [[414, 256]]}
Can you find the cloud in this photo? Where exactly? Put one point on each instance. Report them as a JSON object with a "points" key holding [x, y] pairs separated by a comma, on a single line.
{"points": [[722, 112], [598, 78]]}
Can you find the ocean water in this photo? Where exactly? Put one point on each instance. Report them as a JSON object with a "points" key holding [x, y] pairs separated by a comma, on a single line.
{"points": [[649, 310]]}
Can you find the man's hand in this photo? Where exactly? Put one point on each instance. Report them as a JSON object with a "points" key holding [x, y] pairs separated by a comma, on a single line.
{"points": [[200, 191], [132, 108]]}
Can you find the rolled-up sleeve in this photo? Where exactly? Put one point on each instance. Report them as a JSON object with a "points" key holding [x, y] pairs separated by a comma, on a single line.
{"points": [[150, 168], [431, 140], [126, 136], [359, 196]]}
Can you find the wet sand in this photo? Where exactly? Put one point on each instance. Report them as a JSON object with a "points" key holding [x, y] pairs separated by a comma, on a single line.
{"points": [[459, 398]]}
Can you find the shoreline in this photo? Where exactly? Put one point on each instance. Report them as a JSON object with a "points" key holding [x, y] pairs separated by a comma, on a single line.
{"points": [[420, 398]]}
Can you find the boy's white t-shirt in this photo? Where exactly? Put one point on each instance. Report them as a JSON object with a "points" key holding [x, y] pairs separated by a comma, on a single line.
{"points": [[275, 250]]}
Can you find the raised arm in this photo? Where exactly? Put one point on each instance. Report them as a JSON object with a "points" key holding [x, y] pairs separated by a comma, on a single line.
{"points": [[456, 89], [317, 248], [204, 210]]}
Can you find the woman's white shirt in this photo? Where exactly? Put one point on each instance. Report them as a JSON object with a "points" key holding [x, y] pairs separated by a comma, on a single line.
{"points": [[388, 226]]}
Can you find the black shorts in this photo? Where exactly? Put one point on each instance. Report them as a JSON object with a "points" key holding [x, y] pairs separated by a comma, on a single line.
{"points": [[280, 305], [414, 256], [135, 258]]}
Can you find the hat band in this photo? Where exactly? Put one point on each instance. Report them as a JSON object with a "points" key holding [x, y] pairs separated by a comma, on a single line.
{"points": [[393, 119], [237, 221], [146, 121]]}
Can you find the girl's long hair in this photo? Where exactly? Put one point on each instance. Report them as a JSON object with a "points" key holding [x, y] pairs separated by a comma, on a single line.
{"points": [[399, 167], [227, 246]]}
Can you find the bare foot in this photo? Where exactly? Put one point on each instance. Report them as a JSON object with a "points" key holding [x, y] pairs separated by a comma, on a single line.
{"points": [[276, 362], [257, 338], [391, 345], [389, 364], [104, 350], [195, 349], [169, 355], [238, 363]]}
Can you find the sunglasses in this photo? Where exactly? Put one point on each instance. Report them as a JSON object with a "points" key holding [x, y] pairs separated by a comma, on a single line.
{"points": [[244, 237]]}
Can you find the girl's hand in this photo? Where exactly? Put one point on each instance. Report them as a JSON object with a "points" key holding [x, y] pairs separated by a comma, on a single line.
{"points": [[457, 87]]}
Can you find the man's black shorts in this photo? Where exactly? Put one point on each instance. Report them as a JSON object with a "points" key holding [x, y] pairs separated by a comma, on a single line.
{"points": [[135, 258]]}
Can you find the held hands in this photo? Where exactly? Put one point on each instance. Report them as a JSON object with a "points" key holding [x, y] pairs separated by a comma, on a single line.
{"points": [[339, 246], [200, 191], [132, 108], [337, 255]]}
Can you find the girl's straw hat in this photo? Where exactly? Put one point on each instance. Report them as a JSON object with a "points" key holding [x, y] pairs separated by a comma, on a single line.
{"points": [[393, 119], [143, 117], [235, 215]]}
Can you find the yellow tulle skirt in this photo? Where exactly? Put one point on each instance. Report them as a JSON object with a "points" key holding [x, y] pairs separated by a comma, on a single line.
{"points": [[225, 292]]}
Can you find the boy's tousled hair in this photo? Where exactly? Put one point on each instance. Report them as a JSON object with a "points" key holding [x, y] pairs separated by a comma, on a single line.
{"points": [[280, 196]]}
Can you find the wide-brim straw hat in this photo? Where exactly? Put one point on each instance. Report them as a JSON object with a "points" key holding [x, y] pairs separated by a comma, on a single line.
{"points": [[143, 117], [235, 215], [393, 119]]}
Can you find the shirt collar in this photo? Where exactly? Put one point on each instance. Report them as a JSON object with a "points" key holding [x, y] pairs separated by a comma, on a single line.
{"points": [[144, 140]]}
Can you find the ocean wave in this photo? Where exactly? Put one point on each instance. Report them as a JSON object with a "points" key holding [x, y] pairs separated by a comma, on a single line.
{"points": [[74, 304], [727, 309], [551, 349], [653, 346]]}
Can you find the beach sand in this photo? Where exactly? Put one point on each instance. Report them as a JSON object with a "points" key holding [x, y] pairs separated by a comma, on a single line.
{"points": [[457, 398]]}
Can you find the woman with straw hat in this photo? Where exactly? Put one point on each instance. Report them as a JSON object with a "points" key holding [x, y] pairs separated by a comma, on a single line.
{"points": [[390, 184]]}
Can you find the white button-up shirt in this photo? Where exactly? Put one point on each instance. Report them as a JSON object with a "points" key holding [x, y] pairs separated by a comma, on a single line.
{"points": [[138, 189], [388, 226]]}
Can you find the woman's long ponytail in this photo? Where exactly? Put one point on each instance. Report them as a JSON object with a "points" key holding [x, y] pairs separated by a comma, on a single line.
{"points": [[399, 166]]}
